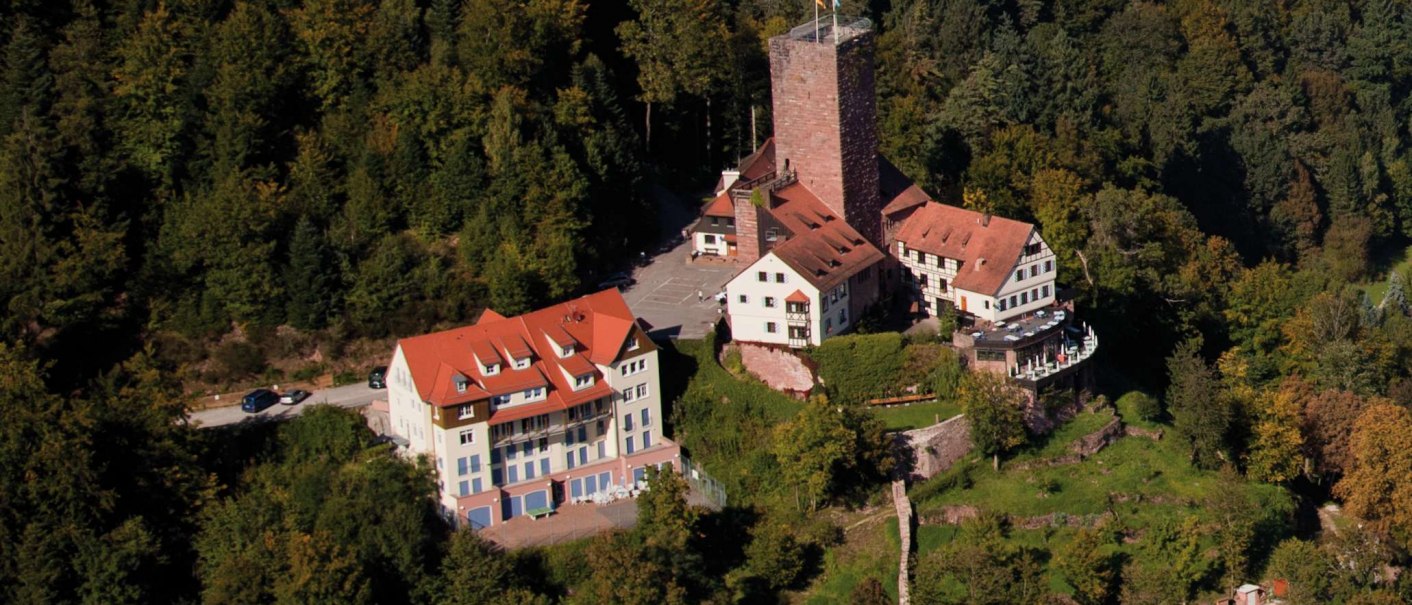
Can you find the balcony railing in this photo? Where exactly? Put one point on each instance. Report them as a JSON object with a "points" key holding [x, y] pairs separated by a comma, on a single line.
{"points": [[1050, 364], [552, 429]]}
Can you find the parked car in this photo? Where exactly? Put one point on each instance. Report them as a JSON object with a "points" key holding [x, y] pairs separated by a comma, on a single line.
{"points": [[257, 400], [620, 281], [293, 397], [377, 379]]}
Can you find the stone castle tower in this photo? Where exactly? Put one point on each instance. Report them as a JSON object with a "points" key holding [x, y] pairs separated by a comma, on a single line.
{"points": [[825, 117]]}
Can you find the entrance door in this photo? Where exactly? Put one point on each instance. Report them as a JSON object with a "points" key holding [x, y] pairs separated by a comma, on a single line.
{"points": [[963, 303]]}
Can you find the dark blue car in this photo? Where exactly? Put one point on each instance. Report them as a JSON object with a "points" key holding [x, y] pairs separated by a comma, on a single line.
{"points": [[257, 400]]}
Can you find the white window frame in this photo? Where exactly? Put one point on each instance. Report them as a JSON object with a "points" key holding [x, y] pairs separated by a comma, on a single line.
{"points": [[468, 436], [522, 363], [466, 411], [642, 391]]}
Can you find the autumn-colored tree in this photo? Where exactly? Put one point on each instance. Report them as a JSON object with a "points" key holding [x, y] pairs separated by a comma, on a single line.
{"points": [[1378, 484], [1329, 419], [1088, 566], [1277, 442]]}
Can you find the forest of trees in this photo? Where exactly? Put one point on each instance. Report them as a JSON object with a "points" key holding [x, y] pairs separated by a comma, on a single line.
{"points": [[1224, 181]]}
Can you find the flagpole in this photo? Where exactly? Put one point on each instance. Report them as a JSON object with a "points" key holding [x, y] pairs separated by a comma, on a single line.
{"points": [[816, 20]]}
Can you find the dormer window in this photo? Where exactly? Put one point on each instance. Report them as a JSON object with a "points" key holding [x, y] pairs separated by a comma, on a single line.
{"points": [[584, 380], [490, 369], [566, 350], [500, 400], [633, 345], [522, 363], [466, 411]]}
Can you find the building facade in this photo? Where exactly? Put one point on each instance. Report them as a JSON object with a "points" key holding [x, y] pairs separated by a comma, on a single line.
{"points": [[524, 414], [990, 268]]}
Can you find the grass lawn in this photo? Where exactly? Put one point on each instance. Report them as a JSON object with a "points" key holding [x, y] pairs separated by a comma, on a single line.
{"points": [[917, 415], [1377, 287], [724, 384], [868, 552]]}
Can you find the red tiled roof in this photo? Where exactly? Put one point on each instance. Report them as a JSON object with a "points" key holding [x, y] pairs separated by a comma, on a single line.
{"points": [[600, 323], [821, 247], [721, 206], [898, 192], [797, 297], [987, 251], [760, 163]]}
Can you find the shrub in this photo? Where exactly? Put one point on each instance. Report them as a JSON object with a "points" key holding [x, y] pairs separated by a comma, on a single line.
{"points": [[309, 372], [239, 359], [1139, 405], [860, 367]]}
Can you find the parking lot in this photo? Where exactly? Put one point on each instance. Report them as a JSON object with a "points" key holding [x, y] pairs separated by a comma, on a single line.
{"points": [[666, 290]]}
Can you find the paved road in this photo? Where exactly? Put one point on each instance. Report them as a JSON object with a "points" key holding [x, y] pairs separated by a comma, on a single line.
{"points": [[347, 396]]}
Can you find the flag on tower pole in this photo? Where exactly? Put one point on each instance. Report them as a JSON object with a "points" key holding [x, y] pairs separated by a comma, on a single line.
{"points": [[836, 4]]}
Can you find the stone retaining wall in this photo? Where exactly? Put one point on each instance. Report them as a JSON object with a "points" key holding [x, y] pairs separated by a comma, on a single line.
{"points": [[904, 530], [932, 450], [779, 368]]}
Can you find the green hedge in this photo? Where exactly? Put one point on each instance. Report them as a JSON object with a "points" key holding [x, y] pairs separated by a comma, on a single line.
{"points": [[856, 368]]}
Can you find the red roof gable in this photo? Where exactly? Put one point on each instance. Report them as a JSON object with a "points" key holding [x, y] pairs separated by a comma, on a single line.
{"points": [[987, 247], [721, 206], [822, 247], [599, 323]]}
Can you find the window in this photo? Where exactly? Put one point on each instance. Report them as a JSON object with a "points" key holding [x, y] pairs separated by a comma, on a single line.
{"points": [[510, 452], [583, 381], [715, 220], [769, 302], [843, 317], [761, 276], [631, 449], [495, 477], [646, 417], [500, 400], [922, 280], [501, 431], [602, 451], [941, 284], [476, 487], [1019, 275], [627, 422], [583, 433], [495, 456], [514, 474], [1034, 270], [634, 344], [1024, 298], [989, 355], [642, 390], [468, 436], [534, 393], [798, 332], [1031, 249], [568, 438], [460, 385], [629, 394], [828, 325], [1044, 291], [566, 350], [1012, 302], [529, 447], [544, 466], [467, 411], [796, 307], [569, 458], [770, 327], [646, 440], [491, 370], [1002, 304], [710, 239], [633, 367], [543, 444], [462, 465], [1048, 266], [529, 470], [522, 363], [779, 278], [743, 299], [986, 304], [475, 463], [465, 488]]}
